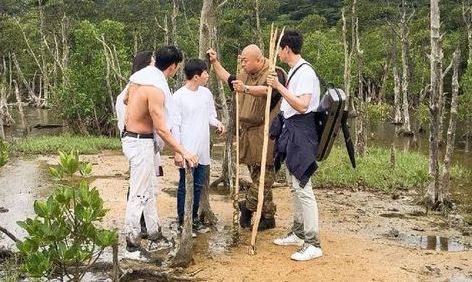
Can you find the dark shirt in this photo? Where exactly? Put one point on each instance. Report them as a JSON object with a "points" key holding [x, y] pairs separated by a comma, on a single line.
{"points": [[296, 143]]}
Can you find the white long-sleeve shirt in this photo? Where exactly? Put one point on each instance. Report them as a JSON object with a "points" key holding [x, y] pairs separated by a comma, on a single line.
{"points": [[194, 113]]}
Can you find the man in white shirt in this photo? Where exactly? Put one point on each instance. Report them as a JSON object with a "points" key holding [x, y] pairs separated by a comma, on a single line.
{"points": [[297, 142], [194, 113]]}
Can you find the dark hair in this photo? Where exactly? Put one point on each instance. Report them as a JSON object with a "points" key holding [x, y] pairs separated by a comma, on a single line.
{"points": [[142, 60], [166, 56], [293, 39], [194, 67]]}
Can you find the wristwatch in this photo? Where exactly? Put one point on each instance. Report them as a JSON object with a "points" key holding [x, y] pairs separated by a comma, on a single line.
{"points": [[246, 89]]}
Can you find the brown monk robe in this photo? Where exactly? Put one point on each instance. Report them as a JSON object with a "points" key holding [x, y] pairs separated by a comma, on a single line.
{"points": [[252, 88]]}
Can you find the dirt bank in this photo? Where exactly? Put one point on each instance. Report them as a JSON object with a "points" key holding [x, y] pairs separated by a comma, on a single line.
{"points": [[365, 235]]}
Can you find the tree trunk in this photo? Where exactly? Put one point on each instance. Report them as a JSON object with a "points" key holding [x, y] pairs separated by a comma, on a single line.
{"points": [[206, 214], [451, 132], [183, 257], [436, 73], [260, 40], [33, 98], [397, 84], [353, 42], [108, 58], [20, 104], [44, 63], [404, 33], [173, 21], [361, 134], [347, 58], [383, 87], [207, 38]]}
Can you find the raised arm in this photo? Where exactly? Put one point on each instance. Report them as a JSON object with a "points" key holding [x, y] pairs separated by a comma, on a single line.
{"points": [[157, 112], [220, 71]]}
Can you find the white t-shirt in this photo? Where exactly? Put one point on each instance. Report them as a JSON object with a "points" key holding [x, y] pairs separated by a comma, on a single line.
{"points": [[304, 81], [195, 112]]}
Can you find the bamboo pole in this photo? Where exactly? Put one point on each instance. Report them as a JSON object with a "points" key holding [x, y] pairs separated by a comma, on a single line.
{"points": [[236, 183], [260, 197]]}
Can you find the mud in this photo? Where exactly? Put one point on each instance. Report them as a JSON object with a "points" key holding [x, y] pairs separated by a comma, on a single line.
{"points": [[365, 235]]}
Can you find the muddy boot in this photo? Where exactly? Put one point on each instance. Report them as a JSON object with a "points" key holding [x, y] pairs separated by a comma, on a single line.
{"points": [[266, 223], [246, 215]]}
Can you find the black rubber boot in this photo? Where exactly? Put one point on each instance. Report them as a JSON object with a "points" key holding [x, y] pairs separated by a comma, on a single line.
{"points": [[266, 223], [246, 215]]}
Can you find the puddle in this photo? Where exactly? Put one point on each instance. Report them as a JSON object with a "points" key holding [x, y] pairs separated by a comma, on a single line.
{"points": [[435, 243], [21, 182]]}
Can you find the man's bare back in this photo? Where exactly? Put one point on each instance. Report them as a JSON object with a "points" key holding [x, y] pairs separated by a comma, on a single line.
{"points": [[138, 117]]}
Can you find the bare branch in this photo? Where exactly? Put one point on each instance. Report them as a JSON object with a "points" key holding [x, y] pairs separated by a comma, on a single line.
{"points": [[394, 28], [9, 234], [110, 55], [160, 26], [447, 69], [29, 46], [221, 4]]}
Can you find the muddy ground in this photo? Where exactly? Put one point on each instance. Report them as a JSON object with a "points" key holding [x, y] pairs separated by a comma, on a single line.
{"points": [[366, 236]]}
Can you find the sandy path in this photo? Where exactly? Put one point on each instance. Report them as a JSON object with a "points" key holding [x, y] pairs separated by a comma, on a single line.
{"points": [[354, 230]]}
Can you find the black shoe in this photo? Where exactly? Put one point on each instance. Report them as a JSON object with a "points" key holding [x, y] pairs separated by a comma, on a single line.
{"points": [[266, 223], [246, 215], [199, 227]]}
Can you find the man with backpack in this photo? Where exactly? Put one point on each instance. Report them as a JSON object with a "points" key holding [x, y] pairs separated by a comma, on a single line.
{"points": [[296, 144]]}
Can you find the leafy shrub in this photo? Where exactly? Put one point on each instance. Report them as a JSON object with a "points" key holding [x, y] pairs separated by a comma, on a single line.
{"points": [[63, 239], [3, 153]]}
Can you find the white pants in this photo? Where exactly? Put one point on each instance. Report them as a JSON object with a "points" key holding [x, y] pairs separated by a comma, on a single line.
{"points": [[142, 199], [305, 213]]}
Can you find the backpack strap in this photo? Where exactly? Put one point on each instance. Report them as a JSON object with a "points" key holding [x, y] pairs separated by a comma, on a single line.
{"points": [[323, 84]]}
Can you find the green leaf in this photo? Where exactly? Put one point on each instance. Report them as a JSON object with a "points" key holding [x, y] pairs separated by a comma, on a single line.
{"points": [[40, 208], [56, 173]]}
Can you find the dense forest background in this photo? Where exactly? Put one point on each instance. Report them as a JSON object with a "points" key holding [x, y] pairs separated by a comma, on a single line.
{"points": [[76, 55]]}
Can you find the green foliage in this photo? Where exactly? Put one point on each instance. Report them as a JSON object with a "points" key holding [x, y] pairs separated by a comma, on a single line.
{"points": [[374, 170], [52, 144], [465, 100], [422, 114], [84, 101], [3, 153], [378, 112], [325, 52], [63, 236]]}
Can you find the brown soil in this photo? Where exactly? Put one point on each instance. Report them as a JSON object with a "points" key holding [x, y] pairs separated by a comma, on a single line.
{"points": [[365, 235]]}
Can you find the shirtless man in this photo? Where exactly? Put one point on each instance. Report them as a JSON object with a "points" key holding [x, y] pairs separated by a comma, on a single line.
{"points": [[146, 113]]}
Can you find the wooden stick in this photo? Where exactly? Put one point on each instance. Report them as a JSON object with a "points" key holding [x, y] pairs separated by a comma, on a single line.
{"points": [[236, 184], [260, 197]]}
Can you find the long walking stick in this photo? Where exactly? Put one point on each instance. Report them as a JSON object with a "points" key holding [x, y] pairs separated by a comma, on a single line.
{"points": [[260, 197], [236, 184]]}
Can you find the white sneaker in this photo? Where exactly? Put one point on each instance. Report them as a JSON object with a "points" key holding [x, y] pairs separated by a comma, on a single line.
{"points": [[290, 240], [136, 255], [307, 252]]}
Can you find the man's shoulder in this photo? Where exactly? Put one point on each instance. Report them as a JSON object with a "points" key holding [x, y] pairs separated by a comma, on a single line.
{"points": [[204, 90]]}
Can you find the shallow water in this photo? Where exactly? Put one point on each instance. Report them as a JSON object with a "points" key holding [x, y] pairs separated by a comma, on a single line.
{"points": [[21, 183], [435, 243]]}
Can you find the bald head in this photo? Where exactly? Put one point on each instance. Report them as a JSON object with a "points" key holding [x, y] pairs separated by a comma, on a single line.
{"points": [[252, 59], [252, 50]]}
